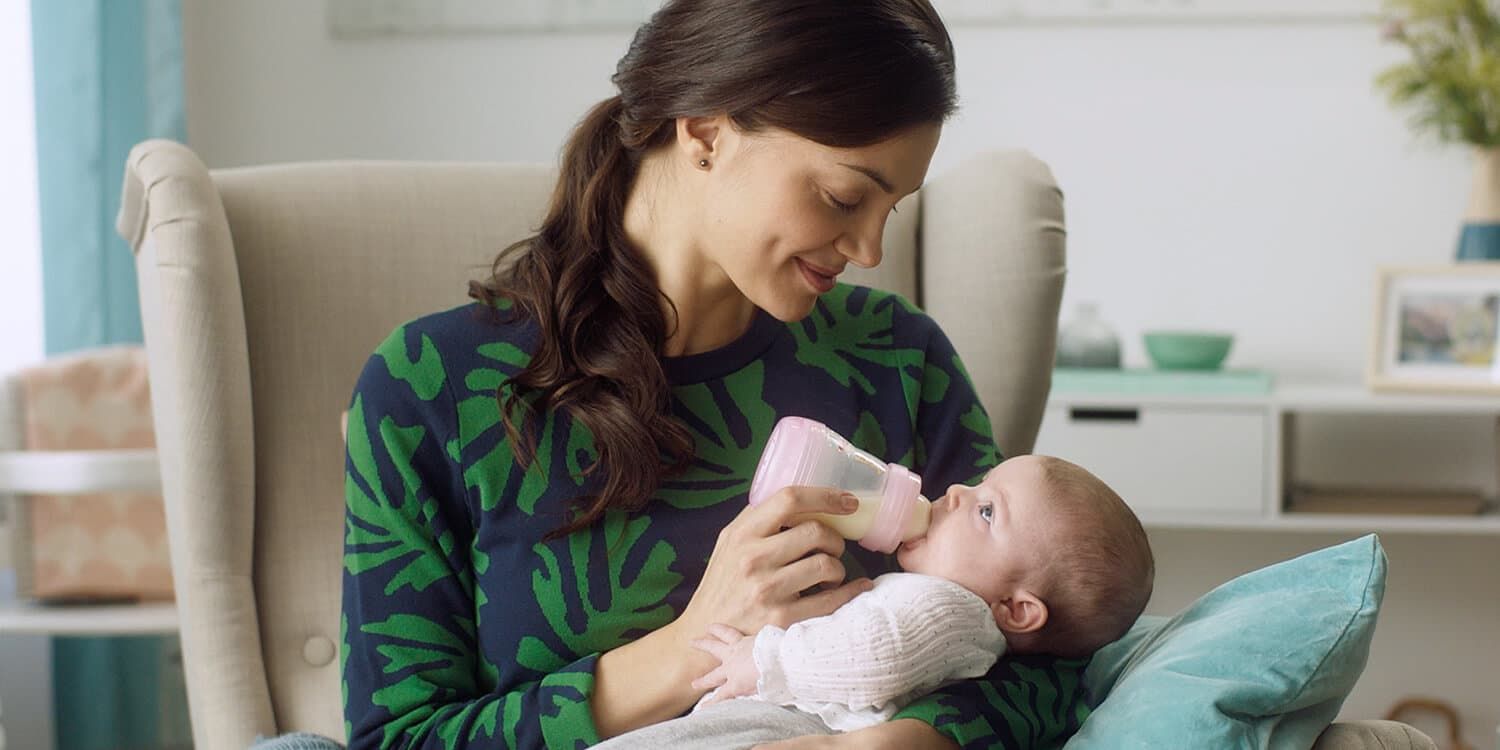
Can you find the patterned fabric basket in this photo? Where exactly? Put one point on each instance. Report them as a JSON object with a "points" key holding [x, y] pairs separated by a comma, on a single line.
{"points": [[102, 546]]}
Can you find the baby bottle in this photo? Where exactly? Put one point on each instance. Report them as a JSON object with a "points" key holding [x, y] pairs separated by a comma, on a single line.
{"points": [[805, 452]]}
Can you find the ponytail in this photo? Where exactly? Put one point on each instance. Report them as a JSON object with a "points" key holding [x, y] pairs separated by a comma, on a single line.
{"points": [[602, 327]]}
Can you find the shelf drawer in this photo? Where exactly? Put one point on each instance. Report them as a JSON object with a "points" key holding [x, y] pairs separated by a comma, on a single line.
{"points": [[1166, 460]]}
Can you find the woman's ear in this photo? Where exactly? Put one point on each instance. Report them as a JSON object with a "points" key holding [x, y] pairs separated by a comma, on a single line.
{"points": [[701, 137], [1022, 612]]}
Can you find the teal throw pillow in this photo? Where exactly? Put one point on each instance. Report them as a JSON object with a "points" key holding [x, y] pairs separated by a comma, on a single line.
{"points": [[1263, 661]]}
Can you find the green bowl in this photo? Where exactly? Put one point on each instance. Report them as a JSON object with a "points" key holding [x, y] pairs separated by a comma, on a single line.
{"points": [[1188, 350]]}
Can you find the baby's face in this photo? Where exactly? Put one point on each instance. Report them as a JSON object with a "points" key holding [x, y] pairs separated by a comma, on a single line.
{"points": [[985, 538]]}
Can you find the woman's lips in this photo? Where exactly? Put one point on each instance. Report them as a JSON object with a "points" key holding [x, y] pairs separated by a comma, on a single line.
{"points": [[820, 280]]}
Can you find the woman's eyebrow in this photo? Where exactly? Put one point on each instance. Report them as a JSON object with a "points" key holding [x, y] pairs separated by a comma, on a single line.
{"points": [[872, 174]]}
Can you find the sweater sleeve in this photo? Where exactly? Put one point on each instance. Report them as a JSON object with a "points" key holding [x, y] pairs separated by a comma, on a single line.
{"points": [[1026, 702], [898, 640], [411, 664]]}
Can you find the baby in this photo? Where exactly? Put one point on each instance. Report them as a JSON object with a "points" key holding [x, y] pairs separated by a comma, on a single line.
{"points": [[1040, 557]]}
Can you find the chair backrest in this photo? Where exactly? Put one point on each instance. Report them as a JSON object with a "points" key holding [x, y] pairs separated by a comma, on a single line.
{"points": [[264, 290]]}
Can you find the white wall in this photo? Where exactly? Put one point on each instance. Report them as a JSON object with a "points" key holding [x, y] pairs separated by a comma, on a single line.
{"points": [[25, 695], [20, 233], [1244, 177]]}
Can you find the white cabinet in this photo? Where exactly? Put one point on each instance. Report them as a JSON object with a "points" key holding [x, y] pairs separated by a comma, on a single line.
{"points": [[1168, 459], [1228, 461]]}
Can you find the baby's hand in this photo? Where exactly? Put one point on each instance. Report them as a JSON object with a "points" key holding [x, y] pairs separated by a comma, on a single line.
{"points": [[736, 674]]}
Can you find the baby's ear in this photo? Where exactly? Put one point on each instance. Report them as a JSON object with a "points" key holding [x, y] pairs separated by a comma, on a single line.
{"points": [[1022, 612]]}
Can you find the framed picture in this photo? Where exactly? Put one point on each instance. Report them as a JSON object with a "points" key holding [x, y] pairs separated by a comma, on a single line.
{"points": [[1437, 329]]}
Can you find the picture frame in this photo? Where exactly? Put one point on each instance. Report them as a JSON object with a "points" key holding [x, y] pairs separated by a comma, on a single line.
{"points": [[1437, 329]]}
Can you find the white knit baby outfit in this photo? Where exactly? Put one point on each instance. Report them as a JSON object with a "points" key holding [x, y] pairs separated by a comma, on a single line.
{"points": [[893, 644]]}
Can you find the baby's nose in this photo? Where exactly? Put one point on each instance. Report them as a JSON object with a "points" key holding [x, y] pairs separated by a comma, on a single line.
{"points": [[954, 498]]}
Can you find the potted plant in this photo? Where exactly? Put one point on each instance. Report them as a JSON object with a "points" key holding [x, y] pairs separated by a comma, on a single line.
{"points": [[1451, 82]]}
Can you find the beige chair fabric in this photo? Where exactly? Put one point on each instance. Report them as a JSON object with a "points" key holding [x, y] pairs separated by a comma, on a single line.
{"points": [[264, 290], [1373, 735]]}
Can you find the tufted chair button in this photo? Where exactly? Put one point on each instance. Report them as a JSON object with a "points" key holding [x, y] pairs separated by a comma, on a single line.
{"points": [[318, 651]]}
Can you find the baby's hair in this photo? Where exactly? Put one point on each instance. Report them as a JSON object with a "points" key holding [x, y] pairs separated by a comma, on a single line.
{"points": [[1097, 570]]}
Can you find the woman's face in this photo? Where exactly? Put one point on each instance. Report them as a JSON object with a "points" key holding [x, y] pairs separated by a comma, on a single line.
{"points": [[783, 215]]}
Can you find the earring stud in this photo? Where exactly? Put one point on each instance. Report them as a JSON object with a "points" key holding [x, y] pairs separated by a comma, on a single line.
{"points": [[703, 163]]}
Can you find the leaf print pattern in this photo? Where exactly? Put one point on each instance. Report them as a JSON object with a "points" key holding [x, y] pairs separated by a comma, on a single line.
{"points": [[425, 375], [848, 328], [1038, 698], [464, 628], [376, 531], [731, 423], [427, 664], [629, 606], [986, 455]]}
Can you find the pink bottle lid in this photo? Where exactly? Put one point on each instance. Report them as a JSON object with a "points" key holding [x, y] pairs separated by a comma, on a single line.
{"points": [[792, 457], [789, 458]]}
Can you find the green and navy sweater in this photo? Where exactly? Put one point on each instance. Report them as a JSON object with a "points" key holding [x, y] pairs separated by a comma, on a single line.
{"points": [[463, 629]]}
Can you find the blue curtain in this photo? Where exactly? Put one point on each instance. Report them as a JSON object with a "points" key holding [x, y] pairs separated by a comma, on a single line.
{"points": [[108, 75]]}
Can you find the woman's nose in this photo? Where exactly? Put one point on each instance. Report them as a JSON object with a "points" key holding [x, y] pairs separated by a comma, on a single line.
{"points": [[863, 247]]}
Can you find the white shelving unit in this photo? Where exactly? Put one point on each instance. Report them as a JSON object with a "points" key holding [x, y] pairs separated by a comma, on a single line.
{"points": [[1227, 462], [88, 619], [24, 473], [78, 472]]}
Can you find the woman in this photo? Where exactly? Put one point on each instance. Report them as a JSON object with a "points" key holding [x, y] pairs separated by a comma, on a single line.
{"points": [[546, 487]]}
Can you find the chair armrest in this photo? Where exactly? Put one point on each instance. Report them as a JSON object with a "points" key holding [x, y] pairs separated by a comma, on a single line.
{"points": [[78, 472], [1373, 735], [193, 321]]}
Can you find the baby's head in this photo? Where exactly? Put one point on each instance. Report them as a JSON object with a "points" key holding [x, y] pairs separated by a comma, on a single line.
{"points": [[1062, 561]]}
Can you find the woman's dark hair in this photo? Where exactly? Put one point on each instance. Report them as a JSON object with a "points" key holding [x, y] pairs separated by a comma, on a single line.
{"points": [[843, 73]]}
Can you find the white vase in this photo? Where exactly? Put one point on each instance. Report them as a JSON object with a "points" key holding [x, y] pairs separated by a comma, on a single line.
{"points": [[1085, 340]]}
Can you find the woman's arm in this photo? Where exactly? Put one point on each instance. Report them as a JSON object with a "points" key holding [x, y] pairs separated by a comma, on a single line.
{"points": [[899, 734], [645, 681]]}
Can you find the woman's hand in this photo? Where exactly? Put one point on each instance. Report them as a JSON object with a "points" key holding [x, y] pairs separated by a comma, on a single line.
{"points": [[901, 734], [755, 577], [765, 558]]}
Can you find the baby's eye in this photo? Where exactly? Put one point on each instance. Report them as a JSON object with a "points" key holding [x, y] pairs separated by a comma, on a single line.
{"points": [[987, 512]]}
